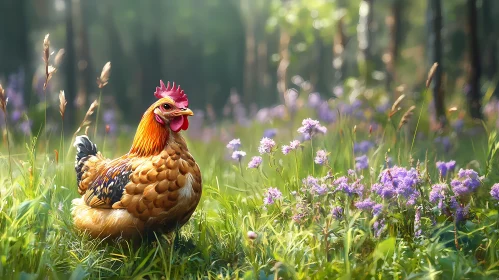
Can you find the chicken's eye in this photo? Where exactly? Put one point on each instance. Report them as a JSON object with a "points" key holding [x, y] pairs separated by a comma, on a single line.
{"points": [[167, 106]]}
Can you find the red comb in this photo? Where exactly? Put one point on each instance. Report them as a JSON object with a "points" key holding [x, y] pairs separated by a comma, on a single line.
{"points": [[175, 93]]}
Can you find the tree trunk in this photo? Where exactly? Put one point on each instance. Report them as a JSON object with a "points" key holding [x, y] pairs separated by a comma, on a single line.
{"points": [[339, 44], [393, 23], [70, 63], [473, 92], [119, 61], [14, 54], [490, 58], [364, 38], [86, 75], [435, 46], [282, 69], [250, 52]]}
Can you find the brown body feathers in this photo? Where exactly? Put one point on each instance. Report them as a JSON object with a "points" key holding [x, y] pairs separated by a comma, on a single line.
{"points": [[154, 188]]}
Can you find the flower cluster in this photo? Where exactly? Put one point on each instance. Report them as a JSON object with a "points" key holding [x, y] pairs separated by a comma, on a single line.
{"points": [[438, 194], [271, 196], [315, 186], [494, 191], [310, 128], [293, 145], [349, 185], [362, 147], [337, 212], [255, 162], [321, 157], [361, 162], [266, 146], [234, 145], [446, 167], [238, 155], [467, 182], [398, 182]]}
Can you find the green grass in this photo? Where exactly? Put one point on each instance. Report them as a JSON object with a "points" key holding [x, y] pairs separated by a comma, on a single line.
{"points": [[38, 240]]}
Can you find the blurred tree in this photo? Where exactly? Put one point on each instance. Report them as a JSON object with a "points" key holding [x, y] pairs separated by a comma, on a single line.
{"points": [[364, 39], [489, 12], [394, 24], [14, 51], [473, 90], [70, 65], [435, 56], [86, 76]]}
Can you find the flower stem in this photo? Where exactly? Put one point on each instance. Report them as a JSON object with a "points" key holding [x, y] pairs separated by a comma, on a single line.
{"points": [[312, 147], [45, 121], [297, 174]]}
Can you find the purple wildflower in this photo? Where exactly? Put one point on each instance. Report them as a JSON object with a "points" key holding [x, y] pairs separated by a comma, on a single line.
{"points": [[234, 144], [342, 184], [270, 133], [293, 145], [467, 182], [325, 113], [255, 162], [337, 212], [445, 142], [438, 194], [286, 149], [398, 181], [366, 204], [271, 196], [361, 162], [238, 155], [494, 191], [266, 146], [311, 127], [321, 157], [377, 209], [446, 167], [314, 186], [362, 147]]}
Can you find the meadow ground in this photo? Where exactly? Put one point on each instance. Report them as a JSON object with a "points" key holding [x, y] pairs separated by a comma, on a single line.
{"points": [[362, 196]]}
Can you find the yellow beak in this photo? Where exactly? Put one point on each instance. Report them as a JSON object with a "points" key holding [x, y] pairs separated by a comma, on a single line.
{"points": [[186, 112]]}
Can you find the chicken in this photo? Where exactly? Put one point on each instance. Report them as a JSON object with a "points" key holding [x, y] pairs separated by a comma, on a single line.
{"points": [[155, 187]]}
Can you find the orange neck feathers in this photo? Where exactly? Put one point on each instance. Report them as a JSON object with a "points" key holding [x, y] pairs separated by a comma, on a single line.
{"points": [[151, 137]]}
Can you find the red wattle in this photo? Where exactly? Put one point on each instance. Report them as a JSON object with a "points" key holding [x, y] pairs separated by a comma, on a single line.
{"points": [[177, 123], [185, 125]]}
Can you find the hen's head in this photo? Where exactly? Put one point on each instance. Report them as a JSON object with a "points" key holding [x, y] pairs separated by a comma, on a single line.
{"points": [[171, 108]]}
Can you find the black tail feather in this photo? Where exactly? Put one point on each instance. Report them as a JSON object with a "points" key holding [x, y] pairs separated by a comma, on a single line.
{"points": [[84, 149]]}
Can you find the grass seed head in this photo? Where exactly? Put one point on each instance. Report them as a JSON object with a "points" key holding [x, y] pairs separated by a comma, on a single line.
{"points": [[431, 73], [62, 103], [104, 75], [395, 107], [46, 49], [407, 116]]}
